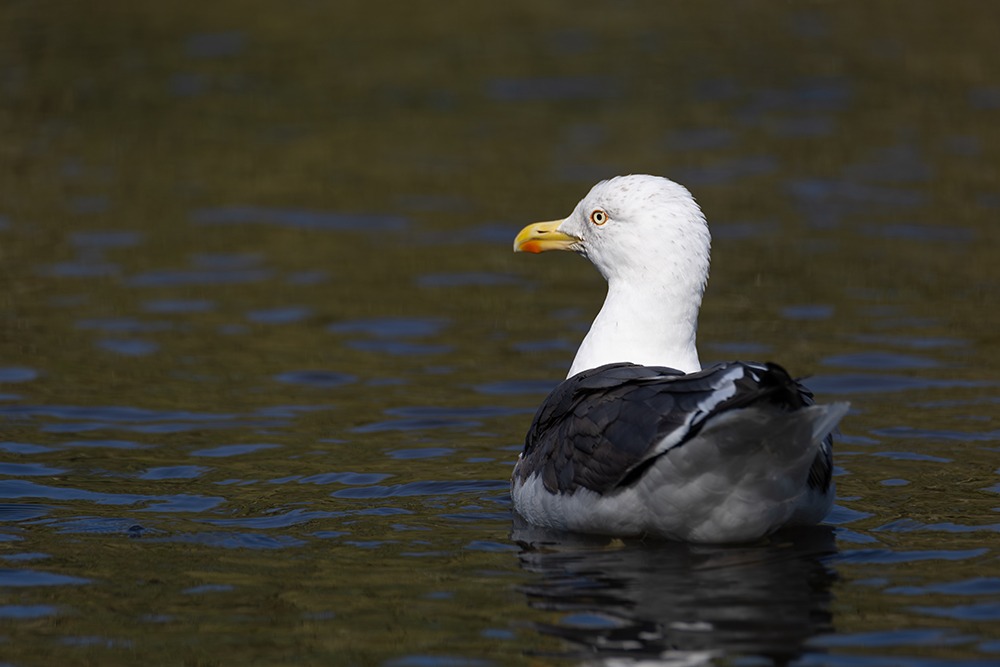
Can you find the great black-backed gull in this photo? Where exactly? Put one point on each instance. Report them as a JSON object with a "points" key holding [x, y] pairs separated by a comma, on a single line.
{"points": [[639, 440]]}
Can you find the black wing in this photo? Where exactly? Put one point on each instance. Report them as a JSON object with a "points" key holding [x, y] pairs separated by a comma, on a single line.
{"points": [[602, 428]]}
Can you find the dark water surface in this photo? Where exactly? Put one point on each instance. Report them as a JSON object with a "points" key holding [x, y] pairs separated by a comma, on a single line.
{"points": [[266, 358]]}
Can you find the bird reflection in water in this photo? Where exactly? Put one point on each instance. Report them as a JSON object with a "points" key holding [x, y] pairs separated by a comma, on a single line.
{"points": [[671, 603]]}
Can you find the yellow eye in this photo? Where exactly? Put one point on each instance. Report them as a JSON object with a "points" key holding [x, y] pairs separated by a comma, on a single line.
{"points": [[598, 217]]}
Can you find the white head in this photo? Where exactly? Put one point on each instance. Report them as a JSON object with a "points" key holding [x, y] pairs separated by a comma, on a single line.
{"points": [[649, 239]]}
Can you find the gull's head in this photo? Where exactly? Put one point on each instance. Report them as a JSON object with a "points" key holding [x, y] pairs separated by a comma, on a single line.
{"points": [[635, 228]]}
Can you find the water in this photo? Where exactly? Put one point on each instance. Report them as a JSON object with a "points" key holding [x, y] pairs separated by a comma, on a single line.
{"points": [[266, 358]]}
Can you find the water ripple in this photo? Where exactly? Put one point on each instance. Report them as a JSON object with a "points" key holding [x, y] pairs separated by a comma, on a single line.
{"points": [[224, 451], [423, 488], [27, 611], [234, 540], [881, 361], [29, 470], [298, 218], [975, 586], [174, 472], [285, 520], [418, 418], [316, 378], [861, 383], [16, 488], [348, 478], [884, 556], [18, 374], [911, 525], [391, 327], [24, 578], [983, 611]]}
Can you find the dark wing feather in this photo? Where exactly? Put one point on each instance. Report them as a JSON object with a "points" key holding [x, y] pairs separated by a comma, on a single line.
{"points": [[599, 429]]}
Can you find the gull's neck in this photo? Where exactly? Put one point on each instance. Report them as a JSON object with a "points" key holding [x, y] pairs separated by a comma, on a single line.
{"points": [[653, 324]]}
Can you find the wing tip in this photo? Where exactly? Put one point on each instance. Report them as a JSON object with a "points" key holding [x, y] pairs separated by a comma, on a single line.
{"points": [[832, 413]]}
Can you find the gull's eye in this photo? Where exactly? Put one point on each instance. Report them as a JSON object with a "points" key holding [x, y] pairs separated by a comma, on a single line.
{"points": [[598, 217]]}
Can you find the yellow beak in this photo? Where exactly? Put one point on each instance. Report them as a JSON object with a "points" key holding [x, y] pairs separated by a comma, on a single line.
{"points": [[543, 236]]}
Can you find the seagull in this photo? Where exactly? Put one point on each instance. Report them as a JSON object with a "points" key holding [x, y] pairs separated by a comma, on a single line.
{"points": [[639, 441]]}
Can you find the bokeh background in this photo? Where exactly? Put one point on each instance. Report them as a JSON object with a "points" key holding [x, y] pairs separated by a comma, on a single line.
{"points": [[266, 358]]}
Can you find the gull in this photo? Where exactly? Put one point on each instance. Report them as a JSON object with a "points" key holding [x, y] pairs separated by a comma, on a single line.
{"points": [[639, 440]]}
